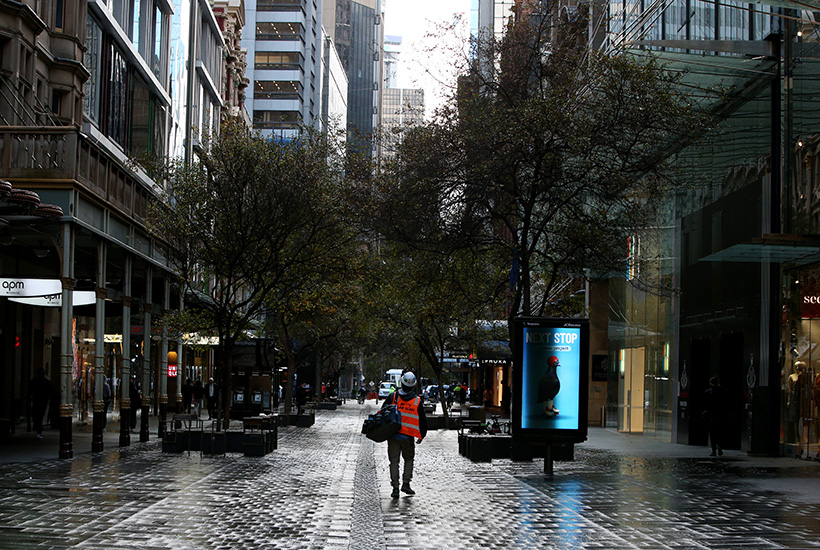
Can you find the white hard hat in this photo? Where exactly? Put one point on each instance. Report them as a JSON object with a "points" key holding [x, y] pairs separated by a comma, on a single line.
{"points": [[408, 380]]}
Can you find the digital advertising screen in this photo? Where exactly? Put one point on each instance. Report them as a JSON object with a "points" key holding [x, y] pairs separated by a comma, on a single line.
{"points": [[551, 377]]}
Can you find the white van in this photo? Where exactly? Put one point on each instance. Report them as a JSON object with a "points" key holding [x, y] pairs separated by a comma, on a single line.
{"points": [[394, 376], [385, 387]]}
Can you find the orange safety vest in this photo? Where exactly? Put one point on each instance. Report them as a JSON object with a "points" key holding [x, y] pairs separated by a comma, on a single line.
{"points": [[409, 415]]}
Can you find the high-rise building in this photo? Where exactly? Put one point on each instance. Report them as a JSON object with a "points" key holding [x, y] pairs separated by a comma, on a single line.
{"points": [[392, 55], [355, 28], [401, 109], [334, 89], [284, 42]]}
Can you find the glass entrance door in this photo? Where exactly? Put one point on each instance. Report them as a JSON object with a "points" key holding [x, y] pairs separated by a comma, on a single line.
{"points": [[631, 396]]}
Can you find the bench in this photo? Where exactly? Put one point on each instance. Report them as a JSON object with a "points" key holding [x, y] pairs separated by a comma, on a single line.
{"points": [[181, 432], [259, 435], [471, 426]]}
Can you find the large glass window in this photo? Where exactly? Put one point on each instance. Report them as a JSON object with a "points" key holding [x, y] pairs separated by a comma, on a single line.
{"points": [[266, 120], [115, 95], [140, 137], [279, 31], [156, 56], [734, 18], [276, 89], [92, 57], [800, 374], [277, 60], [135, 28]]}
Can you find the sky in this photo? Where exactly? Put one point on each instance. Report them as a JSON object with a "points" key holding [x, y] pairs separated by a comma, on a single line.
{"points": [[419, 66]]}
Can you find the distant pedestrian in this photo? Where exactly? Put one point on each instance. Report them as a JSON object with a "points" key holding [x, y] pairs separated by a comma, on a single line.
{"points": [[136, 402], [199, 395], [211, 397], [108, 398], [187, 395], [413, 428], [301, 397], [39, 390], [715, 413], [486, 398]]}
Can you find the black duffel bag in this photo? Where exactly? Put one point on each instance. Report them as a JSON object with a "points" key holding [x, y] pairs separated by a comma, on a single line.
{"points": [[382, 425]]}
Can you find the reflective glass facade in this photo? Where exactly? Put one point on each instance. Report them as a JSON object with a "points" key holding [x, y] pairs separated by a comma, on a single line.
{"points": [[712, 289]]}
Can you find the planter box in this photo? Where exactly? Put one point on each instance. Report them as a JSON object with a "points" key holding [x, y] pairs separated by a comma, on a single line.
{"points": [[480, 448], [254, 444], [502, 446], [305, 420], [520, 451], [326, 405], [172, 444], [435, 422], [214, 443], [233, 442]]}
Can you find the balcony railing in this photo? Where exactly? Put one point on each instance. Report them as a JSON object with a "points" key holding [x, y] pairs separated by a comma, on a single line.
{"points": [[48, 152], [59, 154]]}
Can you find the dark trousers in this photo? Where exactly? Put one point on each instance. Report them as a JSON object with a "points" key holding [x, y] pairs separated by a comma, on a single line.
{"points": [[38, 411], [715, 435], [406, 449]]}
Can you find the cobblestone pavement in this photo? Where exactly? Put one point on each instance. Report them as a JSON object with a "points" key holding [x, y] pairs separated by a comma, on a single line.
{"points": [[327, 487]]}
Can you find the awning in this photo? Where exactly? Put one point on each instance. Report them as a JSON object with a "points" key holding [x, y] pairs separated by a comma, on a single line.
{"points": [[785, 249]]}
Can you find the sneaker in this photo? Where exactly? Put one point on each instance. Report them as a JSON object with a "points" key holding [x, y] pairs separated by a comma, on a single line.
{"points": [[406, 489], [395, 493]]}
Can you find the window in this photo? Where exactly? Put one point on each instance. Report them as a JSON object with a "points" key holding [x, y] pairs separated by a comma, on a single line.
{"points": [[91, 88], [157, 53], [140, 120], [135, 27], [277, 60], [275, 119], [115, 92], [56, 102], [59, 16], [276, 89], [279, 31]]}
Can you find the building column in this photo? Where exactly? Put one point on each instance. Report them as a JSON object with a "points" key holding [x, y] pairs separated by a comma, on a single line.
{"points": [[146, 355], [66, 345], [125, 382], [99, 354], [181, 374], [163, 371]]}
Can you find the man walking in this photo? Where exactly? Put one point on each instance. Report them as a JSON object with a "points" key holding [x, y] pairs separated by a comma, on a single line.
{"points": [[39, 395], [413, 428], [211, 394]]}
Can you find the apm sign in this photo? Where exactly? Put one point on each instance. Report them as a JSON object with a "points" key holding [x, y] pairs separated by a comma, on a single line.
{"points": [[550, 378], [29, 287]]}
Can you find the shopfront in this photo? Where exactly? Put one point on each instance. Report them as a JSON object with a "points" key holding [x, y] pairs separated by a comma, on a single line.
{"points": [[800, 373]]}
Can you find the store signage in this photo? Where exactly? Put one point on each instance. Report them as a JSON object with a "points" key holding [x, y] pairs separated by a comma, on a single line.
{"points": [[78, 298], [551, 378], [172, 371], [810, 306], [29, 287]]}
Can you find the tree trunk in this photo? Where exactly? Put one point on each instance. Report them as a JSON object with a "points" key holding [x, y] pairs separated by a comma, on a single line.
{"points": [[225, 376], [284, 339]]}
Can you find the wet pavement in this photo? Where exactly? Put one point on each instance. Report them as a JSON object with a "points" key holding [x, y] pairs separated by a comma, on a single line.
{"points": [[327, 487]]}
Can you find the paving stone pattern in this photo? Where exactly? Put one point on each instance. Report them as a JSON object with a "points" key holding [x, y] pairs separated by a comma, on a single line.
{"points": [[327, 487]]}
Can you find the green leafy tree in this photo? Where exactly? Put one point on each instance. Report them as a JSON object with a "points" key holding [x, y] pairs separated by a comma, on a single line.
{"points": [[547, 157], [241, 223]]}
